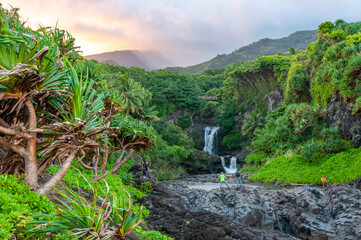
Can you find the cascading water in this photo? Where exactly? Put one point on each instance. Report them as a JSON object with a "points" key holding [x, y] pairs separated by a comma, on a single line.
{"points": [[232, 167], [210, 139]]}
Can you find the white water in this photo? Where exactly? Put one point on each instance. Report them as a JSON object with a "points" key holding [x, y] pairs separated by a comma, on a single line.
{"points": [[210, 137], [232, 167]]}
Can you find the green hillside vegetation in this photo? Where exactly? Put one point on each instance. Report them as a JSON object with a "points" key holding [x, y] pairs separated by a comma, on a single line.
{"points": [[296, 138], [298, 40], [67, 115], [298, 128]]}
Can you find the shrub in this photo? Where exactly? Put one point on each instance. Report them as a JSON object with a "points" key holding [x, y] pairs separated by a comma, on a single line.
{"points": [[298, 84], [73, 178], [250, 169], [209, 109], [18, 206], [150, 235], [165, 171], [297, 126], [233, 140], [146, 187], [185, 122], [256, 158]]}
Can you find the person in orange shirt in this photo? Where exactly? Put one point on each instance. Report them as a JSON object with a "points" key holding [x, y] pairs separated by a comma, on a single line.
{"points": [[324, 181]]}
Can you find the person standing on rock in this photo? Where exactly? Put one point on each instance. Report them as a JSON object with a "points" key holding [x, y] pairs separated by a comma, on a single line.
{"points": [[237, 175], [324, 181], [222, 179], [145, 169]]}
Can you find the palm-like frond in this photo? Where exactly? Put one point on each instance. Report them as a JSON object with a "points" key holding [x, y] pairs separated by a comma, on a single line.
{"points": [[253, 121], [148, 112], [84, 219], [83, 103], [122, 219], [132, 92]]}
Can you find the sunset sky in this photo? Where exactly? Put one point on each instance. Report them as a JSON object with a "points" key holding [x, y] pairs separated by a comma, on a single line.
{"points": [[184, 31]]}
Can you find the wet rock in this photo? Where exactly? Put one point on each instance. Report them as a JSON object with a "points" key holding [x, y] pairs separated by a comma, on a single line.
{"points": [[274, 99], [202, 162]]}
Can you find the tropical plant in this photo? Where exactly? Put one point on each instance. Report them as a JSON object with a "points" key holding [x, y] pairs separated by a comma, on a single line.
{"points": [[31, 69], [300, 127], [19, 205], [111, 216], [253, 121], [148, 112], [132, 92], [48, 109], [150, 235], [122, 219]]}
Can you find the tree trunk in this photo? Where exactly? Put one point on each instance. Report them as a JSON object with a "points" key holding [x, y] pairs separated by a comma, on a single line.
{"points": [[58, 176], [31, 163]]}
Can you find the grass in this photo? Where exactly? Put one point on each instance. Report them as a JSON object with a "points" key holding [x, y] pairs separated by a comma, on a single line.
{"points": [[337, 168]]}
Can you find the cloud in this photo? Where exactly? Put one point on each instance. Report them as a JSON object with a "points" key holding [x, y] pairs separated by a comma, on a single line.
{"points": [[187, 32]]}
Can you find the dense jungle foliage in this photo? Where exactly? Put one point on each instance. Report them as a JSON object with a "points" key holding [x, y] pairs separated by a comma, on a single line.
{"points": [[87, 123], [307, 80]]}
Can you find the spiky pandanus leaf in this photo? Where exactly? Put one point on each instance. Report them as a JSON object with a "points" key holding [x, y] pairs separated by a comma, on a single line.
{"points": [[86, 220]]}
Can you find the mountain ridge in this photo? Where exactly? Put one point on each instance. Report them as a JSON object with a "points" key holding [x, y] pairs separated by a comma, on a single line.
{"points": [[262, 47], [147, 59]]}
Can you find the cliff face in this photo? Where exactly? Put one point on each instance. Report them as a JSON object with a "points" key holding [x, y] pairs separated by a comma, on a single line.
{"points": [[340, 114]]}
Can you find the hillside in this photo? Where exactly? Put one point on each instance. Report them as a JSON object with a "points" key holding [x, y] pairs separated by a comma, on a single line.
{"points": [[149, 60], [263, 47]]}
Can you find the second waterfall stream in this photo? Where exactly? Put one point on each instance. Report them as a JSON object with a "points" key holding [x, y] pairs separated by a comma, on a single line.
{"points": [[232, 166]]}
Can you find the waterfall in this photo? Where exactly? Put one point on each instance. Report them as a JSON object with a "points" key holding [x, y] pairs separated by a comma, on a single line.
{"points": [[232, 167], [210, 139]]}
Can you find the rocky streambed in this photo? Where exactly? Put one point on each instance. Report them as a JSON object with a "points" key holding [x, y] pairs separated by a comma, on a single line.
{"points": [[200, 210]]}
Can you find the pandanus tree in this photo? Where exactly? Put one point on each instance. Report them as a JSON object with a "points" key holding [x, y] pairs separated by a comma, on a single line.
{"points": [[51, 114], [30, 70], [86, 132]]}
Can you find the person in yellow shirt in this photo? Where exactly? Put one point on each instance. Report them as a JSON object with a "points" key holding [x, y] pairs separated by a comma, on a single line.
{"points": [[222, 179], [324, 181]]}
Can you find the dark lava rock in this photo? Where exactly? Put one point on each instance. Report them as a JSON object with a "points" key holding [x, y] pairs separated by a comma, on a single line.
{"points": [[306, 212], [316, 213], [184, 213], [356, 182], [202, 162]]}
